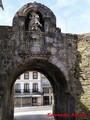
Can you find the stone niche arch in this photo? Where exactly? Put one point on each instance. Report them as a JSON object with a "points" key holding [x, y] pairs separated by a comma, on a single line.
{"points": [[27, 20], [47, 17], [54, 75]]}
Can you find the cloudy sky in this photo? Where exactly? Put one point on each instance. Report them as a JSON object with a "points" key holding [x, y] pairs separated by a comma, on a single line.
{"points": [[73, 16]]}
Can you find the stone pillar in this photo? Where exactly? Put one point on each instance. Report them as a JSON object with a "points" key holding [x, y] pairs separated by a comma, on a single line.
{"points": [[47, 23]]}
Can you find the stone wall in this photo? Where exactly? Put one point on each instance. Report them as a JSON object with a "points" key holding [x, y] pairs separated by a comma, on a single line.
{"points": [[81, 66], [80, 69], [84, 77]]}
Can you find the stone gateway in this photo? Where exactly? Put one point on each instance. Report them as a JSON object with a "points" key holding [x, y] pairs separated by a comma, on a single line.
{"points": [[40, 46]]}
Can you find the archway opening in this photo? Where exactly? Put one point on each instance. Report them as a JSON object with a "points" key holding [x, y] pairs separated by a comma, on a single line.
{"points": [[33, 95], [53, 74]]}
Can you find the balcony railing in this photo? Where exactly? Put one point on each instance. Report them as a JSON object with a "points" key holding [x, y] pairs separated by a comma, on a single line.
{"points": [[21, 91], [17, 90], [26, 90], [35, 90]]}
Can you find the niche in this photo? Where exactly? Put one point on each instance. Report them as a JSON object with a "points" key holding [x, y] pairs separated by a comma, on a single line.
{"points": [[34, 21]]}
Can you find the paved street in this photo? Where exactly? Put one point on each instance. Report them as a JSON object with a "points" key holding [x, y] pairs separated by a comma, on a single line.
{"points": [[33, 113]]}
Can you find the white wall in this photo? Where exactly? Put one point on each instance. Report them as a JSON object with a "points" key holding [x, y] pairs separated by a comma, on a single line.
{"points": [[22, 81]]}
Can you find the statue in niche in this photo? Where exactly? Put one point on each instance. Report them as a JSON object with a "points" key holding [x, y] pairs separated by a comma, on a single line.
{"points": [[34, 23]]}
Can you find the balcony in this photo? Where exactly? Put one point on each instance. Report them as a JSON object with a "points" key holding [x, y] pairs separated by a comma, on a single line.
{"points": [[26, 90], [17, 91], [35, 90]]}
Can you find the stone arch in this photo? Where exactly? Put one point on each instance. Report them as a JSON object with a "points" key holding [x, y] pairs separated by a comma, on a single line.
{"points": [[54, 75], [47, 17]]}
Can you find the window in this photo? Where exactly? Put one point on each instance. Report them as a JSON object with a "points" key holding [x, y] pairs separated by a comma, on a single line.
{"points": [[35, 87], [26, 75], [17, 88], [35, 75], [26, 87]]}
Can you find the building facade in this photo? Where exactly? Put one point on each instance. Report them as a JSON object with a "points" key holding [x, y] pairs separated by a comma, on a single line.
{"points": [[32, 89]]}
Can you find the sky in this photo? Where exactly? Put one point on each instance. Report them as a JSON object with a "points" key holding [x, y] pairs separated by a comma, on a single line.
{"points": [[73, 16]]}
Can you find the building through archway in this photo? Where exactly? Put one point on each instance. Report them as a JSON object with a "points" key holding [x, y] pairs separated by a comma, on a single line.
{"points": [[54, 75], [32, 89]]}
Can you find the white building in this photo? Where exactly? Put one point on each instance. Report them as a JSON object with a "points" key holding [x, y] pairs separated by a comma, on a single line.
{"points": [[32, 88]]}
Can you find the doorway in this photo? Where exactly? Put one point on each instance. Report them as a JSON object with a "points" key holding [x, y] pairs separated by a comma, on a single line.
{"points": [[57, 81]]}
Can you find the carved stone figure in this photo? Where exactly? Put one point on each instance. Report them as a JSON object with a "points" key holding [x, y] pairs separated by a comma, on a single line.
{"points": [[34, 22], [1, 5]]}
